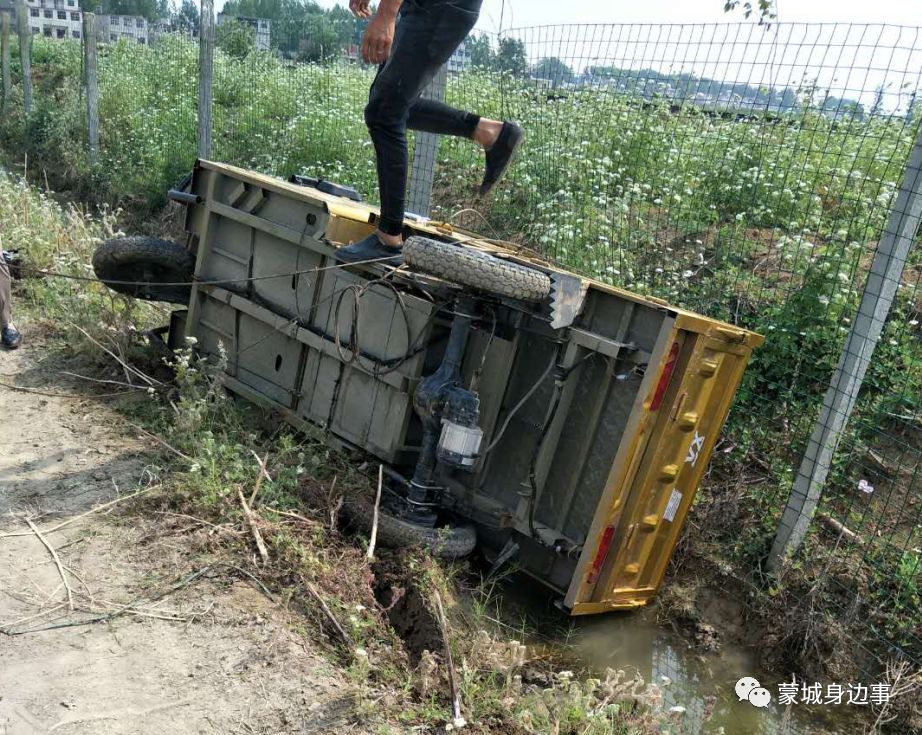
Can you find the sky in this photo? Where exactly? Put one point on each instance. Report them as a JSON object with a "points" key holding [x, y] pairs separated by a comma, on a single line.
{"points": [[544, 12], [849, 62]]}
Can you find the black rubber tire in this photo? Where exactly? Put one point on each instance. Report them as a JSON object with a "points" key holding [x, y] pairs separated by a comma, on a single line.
{"points": [[446, 542], [123, 261], [473, 268]]}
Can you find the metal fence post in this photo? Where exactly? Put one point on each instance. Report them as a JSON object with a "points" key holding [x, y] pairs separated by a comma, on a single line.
{"points": [[879, 293], [92, 86], [206, 78], [25, 53], [5, 57], [422, 170]]}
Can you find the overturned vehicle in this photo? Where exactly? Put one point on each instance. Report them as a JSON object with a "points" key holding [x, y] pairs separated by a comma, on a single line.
{"points": [[558, 423]]}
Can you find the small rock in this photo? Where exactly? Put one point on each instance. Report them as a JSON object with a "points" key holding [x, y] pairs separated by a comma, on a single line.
{"points": [[707, 638], [99, 476]]}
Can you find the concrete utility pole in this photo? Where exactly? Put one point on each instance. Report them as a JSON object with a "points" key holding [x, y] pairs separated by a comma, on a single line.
{"points": [[206, 78], [422, 168], [879, 292], [5, 58], [92, 86], [25, 53]]}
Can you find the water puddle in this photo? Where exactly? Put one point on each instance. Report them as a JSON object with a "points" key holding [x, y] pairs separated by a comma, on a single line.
{"points": [[703, 685]]}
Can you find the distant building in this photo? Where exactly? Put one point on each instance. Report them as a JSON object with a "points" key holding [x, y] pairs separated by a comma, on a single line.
{"points": [[114, 28], [52, 18], [164, 26], [262, 26], [64, 19], [460, 59]]}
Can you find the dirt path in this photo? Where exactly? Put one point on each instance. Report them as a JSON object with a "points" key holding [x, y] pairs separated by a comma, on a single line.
{"points": [[213, 656]]}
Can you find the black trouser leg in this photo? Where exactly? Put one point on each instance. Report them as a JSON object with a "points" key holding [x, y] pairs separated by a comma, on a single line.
{"points": [[427, 34]]}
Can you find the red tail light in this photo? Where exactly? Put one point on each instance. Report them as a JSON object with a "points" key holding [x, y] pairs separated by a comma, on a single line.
{"points": [[666, 376], [607, 535]]}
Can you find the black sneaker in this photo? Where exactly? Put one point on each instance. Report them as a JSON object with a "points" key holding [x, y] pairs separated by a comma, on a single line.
{"points": [[370, 249], [500, 154], [10, 337]]}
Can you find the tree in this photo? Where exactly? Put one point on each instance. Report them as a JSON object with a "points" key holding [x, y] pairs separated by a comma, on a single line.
{"points": [[554, 70], [150, 9], [303, 30], [511, 57], [481, 51], [878, 103], [317, 39], [188, 18], [235, 39], [766, 8]]}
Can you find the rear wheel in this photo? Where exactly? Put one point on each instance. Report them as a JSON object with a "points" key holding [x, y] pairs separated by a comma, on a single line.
{"points": [[446, 542], [146, 268], [476, 269]]}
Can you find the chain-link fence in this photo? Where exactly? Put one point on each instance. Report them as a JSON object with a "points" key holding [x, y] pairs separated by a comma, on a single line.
{"points": [[746, 172]]}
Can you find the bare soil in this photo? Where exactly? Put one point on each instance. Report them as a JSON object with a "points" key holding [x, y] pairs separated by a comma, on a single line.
{"points": [[156, 639]]}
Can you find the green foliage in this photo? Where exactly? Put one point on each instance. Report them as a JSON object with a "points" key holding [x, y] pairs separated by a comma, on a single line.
{"points": [[481, 50], [187, 18], [150, 9], [766, 8], [553, 69], [511, 57], [237, 40]]}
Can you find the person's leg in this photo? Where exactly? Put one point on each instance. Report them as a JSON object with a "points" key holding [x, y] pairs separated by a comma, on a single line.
{"points": [[6, 297], [426, 36], [9, 335], [432, 116], [499, 139]]}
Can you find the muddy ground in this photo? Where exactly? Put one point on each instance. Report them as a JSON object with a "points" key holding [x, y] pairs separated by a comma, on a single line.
{"points": [[150, 638]]}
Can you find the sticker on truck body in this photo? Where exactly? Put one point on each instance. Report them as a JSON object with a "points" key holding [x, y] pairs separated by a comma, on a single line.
{"points": [[672, 506]]}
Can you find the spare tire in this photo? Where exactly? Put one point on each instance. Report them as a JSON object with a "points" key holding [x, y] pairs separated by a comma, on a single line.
{"points": [[445, 542], [476, 269], [146, 268]]}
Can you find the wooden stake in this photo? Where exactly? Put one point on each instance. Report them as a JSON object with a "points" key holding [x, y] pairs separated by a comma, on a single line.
{"points": [[374, 521], [57, 562], [263, 473], [326, 611], [458, 721], [251, 520]]}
